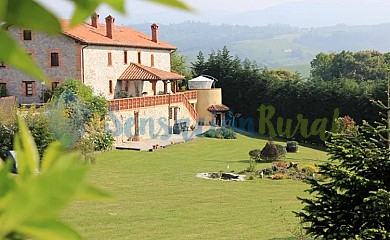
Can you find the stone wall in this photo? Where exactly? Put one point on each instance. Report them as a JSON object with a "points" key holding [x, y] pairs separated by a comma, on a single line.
{"points": [[153, 122], [98, 72], [40, 47]]}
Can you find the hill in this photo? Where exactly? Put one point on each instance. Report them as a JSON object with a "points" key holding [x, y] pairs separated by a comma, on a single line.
{"points": [[273, 46]]}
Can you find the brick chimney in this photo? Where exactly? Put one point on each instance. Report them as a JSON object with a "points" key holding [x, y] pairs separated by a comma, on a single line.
{"points": [[95, 20], [154, 28], [109, 25]]}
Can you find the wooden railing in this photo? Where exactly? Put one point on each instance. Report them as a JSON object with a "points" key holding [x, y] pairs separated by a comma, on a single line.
{"points": [[151, 101], [190, 108]]}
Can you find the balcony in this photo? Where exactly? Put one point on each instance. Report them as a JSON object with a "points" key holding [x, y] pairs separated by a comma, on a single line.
{"points": [[151, 101]]}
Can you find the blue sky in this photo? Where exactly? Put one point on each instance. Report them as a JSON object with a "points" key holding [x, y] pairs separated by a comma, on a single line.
{"points": [[319, 12]]}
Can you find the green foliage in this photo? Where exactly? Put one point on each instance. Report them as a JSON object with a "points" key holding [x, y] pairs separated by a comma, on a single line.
{"points": [[346, 126], [353, 201], [38, 124], [3, 91], [255, 154], [221, 133], [179, 66], [30, 203], [46, 95], [292, 146], [359, 66], [68, 116], [96, 135], [8, 129], [95, 104], [272, 151], [245, 87], [309, 170]]}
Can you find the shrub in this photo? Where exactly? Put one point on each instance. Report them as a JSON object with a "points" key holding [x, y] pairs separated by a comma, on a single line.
{"points": [[221, 133], [8, 129], [95, 104], [308, 170], [3, 91], [255, 154], [228, 133], [102, 141], [272, 151], [210, 133], [292, 146], [38, 125], [7, 134]]}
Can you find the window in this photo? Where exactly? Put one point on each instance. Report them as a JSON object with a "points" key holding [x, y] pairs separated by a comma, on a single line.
{"points": [[54, 59], [139, 57], [3, 89], [29, 88], [54, 85], [125, 57], [27, 35], [110, 87], [109, 59], [152, 60]]}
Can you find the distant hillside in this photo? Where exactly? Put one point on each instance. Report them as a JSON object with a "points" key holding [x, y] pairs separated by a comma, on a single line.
{"points": [[273, 46]]}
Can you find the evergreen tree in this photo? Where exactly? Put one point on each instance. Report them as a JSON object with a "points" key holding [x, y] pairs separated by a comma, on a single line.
{"points": [[353, 201], [199, 67]]}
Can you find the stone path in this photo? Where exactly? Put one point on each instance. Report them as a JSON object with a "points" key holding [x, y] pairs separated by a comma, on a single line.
{"points": [[163, 141]]}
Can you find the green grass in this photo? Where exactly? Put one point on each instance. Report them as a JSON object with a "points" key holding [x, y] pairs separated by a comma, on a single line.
{"points": [[157, 195]]}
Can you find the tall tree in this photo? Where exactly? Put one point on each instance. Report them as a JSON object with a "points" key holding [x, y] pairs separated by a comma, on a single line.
{"points": [[353, 201], [199, 67], [179, 66]]}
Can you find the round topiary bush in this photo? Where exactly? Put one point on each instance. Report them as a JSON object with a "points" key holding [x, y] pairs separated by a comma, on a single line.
{"points": [[272, 151]]}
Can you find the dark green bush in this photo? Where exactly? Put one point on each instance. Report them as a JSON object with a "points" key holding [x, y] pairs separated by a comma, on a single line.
{"points": [[7, 134], [272, 151], [221, 133], [38, 124], [210, 133], [255, 154]]}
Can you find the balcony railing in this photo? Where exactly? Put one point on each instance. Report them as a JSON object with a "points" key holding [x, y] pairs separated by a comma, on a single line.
{"points": [[151, 101]]}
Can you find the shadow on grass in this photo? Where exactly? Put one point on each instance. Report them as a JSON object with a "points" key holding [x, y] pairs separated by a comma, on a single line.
{"points": [[278, 139], [285, 238]]}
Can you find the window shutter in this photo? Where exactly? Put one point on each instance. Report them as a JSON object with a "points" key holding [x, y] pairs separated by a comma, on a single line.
{"points": [[33, 88], [23, 88]]}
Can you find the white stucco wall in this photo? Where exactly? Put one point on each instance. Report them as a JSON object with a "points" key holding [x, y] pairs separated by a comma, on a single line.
{"points": [[41, 46], [98, 73], [153, 122]]}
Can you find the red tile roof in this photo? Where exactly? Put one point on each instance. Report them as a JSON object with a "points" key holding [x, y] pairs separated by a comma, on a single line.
{"points": [[122, 36], [137, 71], [218, 108]]}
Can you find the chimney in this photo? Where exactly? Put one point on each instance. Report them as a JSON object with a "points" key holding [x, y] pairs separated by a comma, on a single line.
{"points": [[95, 20], [154, 28], [109, 26]]}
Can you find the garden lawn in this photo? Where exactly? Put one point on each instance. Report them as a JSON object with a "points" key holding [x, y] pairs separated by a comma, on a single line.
{"points": [[157, 196]]}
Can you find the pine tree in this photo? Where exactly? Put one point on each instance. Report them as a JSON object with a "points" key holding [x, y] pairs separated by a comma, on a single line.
{"points": [[353, 201]]}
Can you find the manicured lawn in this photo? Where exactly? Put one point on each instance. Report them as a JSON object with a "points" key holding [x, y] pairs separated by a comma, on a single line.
{"points": [[157, 196]]}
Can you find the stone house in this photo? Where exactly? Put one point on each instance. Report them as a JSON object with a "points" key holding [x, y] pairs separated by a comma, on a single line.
{"points": [[112, 59], [129, 68]]}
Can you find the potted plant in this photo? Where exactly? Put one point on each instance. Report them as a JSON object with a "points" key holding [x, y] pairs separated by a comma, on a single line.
{"points": [[292, 146]]}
